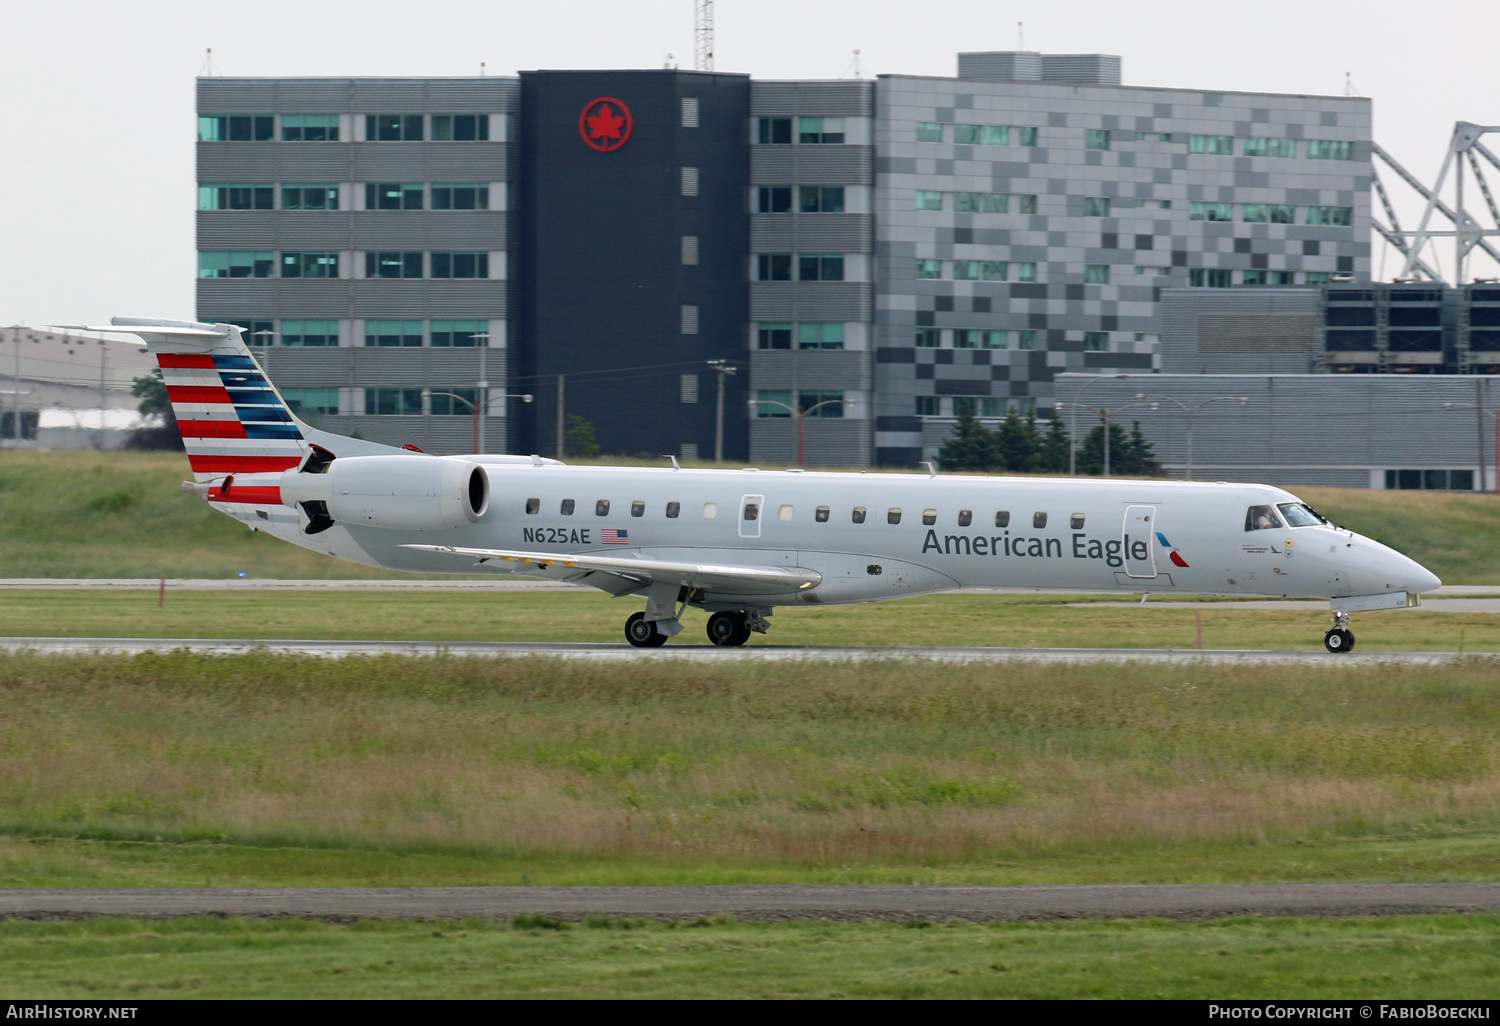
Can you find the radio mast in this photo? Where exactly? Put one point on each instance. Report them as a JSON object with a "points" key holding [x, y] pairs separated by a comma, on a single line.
{"points": [[703, 35]]}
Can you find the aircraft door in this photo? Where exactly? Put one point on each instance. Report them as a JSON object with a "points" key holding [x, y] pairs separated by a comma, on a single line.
{"points": [[1138, 541], [752, 508]]}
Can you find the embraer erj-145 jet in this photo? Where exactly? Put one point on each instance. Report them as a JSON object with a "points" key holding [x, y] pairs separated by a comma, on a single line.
{"points": [[737, 544]]}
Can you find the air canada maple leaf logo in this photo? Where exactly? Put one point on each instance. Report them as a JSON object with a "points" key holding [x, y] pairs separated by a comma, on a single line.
{"points": [[605, 124]]}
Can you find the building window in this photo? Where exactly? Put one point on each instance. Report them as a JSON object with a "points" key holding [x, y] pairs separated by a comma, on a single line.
{"points": [[1320, 149], [773, 267], [928, 406], [981, 203], [690, 181], [1265, 147], [774, 199], [1210, 211], [1163, 271], [393, 333], [1025, 136], [981, 135], [393, 402], [1259, 277], [311, 400], [929, 199], [236, 265], [309, 128], [994, 270], [236, 197], [1155, 204], [688, 388], [393, 196], [1026, 339], [236, 128], [1317, 277], [1096, 206], [929, 131], [770, 335], [689, 319], [773, 403], [1342, 216], [966, 270], [980, 338], [1217, 145], [929, 338], [690, 112], [774, 131], [393, 127], [393, 265], [1430, 480], [821, 335], [1096, 341], [820, 130], [821, 405], [821, 199], [310, 197], [1025, 271], [1273, 213], [460, 334], [453, 196], [929, 268], [1096, 138], [460, 265], [690, 250], [1096, 274], [309, 333], [1209, 277], [820, 267], [460, 128], [1025, 204], [453, 402]]}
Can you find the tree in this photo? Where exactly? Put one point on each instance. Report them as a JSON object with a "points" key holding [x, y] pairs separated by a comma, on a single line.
{"points": [[1055, 447], [1017, 447], [1142, 461], [154, 404], [1129, 455], [580, 436], [970, 447]]}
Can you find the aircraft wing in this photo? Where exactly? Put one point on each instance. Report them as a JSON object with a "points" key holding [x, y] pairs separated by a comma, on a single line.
{"points": [[744, 580]]}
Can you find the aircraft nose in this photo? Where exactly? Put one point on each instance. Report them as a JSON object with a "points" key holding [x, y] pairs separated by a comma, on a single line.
{"points": [[1423, 580]]}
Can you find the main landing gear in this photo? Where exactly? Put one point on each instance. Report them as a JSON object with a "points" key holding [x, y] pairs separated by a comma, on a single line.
{"points": [[1340, 638], [726, 629], [642, 633]]}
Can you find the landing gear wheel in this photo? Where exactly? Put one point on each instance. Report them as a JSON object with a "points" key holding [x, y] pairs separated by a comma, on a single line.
{"points": [[727, 629], [642, 633], [1339, 640]]}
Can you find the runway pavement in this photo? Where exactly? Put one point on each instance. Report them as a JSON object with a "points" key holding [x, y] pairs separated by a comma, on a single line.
{"points": [[708, 653], [772, 903]]}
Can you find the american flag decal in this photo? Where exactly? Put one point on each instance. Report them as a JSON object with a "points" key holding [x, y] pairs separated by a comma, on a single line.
{"points": [[611, 536]]}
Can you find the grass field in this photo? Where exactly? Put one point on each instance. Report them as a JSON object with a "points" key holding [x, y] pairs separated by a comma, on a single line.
{"points": [[1417, 958], [119, 514], [1000, 620], [262, 769]]}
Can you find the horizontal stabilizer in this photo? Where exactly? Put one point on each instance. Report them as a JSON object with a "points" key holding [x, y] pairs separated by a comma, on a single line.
{"points": [[742, 580], [143, 330]]}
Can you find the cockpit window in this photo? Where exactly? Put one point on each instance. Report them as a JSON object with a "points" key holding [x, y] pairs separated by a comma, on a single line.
{"points": [[1262, 518], [1299, 515]]}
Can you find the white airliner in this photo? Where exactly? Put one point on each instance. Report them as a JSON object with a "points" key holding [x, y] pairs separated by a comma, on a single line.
{"points": [[739, 543]]}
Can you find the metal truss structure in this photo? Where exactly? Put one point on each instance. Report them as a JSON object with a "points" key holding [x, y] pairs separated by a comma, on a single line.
{"points": [[1464, 147], [703, 35]]}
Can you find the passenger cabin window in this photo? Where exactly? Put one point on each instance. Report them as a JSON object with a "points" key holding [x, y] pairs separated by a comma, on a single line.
{"points": [[710, 510], [533, 506], [821, 514], [784, 513], [673, 510], [567, 507], [929, 517], [1300, 515], [1076, 521], [1038, 520], [752, 511], [965, 517], [1002, 518], [893, 515], [858, 516], [1262, 518], [637, 508], [601, 508]]}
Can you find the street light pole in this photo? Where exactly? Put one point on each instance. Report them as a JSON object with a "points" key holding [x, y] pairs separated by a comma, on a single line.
{"points": [[482, 407], [1073, 424], [561, 447], [1189, 411], [723, 369], [797, 411]]}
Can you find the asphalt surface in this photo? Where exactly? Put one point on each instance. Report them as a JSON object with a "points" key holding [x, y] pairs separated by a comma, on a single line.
{"points": [[708, 653], [771, 903]]}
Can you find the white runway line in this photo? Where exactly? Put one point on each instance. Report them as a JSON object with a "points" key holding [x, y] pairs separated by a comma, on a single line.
{"points": [[708, 653]]}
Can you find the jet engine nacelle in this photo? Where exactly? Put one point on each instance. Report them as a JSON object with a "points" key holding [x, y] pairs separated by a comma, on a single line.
{"points": [[404, 493]]}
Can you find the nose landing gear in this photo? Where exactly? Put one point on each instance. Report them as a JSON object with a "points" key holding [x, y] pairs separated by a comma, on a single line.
{"points": [[1340, 638]]}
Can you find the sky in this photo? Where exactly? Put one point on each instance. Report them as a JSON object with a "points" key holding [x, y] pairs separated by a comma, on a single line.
{"points": [[97, 122]]}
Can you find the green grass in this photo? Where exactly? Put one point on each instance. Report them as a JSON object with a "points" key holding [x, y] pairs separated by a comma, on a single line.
{"points": [[1430, 957], [1024, 621], [119, 514], [259, 769]]}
